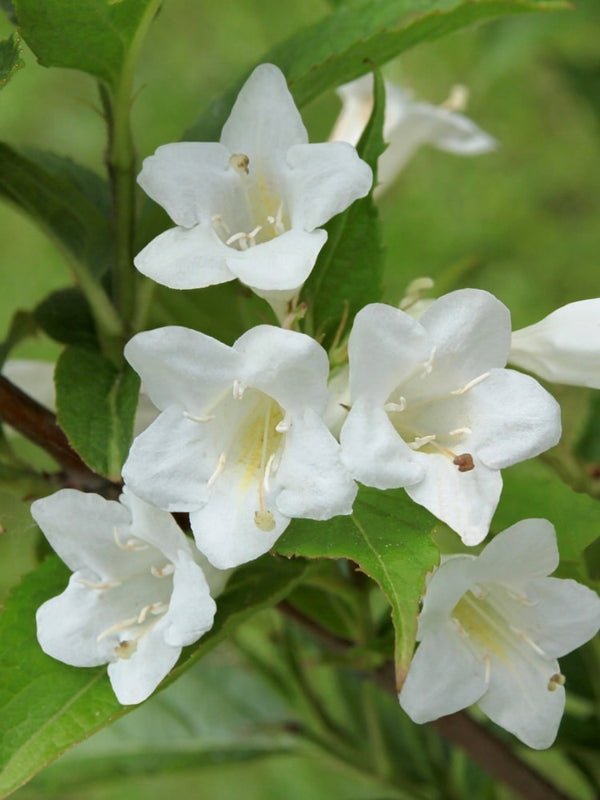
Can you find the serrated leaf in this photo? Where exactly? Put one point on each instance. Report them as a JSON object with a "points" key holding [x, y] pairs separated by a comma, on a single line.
{"points": [[532, 489], [358, 36], [10, 58], [44, 188], [349, 270], [96, 405], [95, 36], [66, 317], [46, 706], [389, 537]]}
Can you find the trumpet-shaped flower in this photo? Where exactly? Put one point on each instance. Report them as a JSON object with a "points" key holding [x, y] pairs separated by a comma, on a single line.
{"points": [[240, 443], [434, 411], [564, 347], [408, 124], [491, 629], [137, 594], [252, 205]]}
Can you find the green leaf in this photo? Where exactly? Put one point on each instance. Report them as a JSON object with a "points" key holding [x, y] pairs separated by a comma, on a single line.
{"points": [[22, 325], [358, 36], [46, 706], [349, 270], [10, 58], [96, 405], [389, 537], [532, 489], [66, 317], [95, 36], [44, 188]]}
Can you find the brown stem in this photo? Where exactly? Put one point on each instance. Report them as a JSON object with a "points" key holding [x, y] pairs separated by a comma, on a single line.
{"points": [[38, 424], [480, 744]]}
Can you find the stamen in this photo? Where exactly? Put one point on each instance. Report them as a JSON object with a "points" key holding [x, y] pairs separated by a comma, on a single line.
{"points": [[195, 418], [238, 389], [524, 638], [278, 224], [240, 163], [283, 425], [130, 544], [219, 222], [464, 462], [460, 432], [253, 234], [555, 681], [153, 608], [102, 585], [428, 365], [219, 469], [488, 667], [421, 441], [457, 99], [471, 384], [168, 569], [395, 407], [118, 626], [268, 469], [238, 237]]}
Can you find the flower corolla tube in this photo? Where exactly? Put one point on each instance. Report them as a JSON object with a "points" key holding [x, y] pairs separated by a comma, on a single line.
{"points": [[250, 206], [240, 444], [490, 631], [137, 594], [433, 410]]}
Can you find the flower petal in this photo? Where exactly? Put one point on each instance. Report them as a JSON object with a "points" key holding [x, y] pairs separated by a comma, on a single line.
{"points": [[564, 346], [190, 180], [180, 366], [515, 418], [264, 120], [523, 551], [326, 178], [455, 576], [186, 258], [444, 677], [281, 264], [373, 451], [313, 481], [191, 609], [465, 501], [290, 367]]}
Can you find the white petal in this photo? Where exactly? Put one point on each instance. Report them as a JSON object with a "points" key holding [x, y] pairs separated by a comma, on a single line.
{"points": [[264, 119], [182, 366], [171, 461], [191, 609], [449, 582], [471, 331], [282, 263], [519, 701], [444, 677], [312, 479], [386, 347], [288, 366], [80, 526], [514, 418], [326, 178], [134, 679], [186, 258], [465, 501], [564, 346], [190, 180], [225, 529], [523, 551], [373, 451]]}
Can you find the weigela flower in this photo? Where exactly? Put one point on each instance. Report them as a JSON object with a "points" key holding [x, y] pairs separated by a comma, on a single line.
{"points": [[564, 347], [491, 629], [137, 594], [408, 124], [433, 410], [240, 443], [252, 205]]}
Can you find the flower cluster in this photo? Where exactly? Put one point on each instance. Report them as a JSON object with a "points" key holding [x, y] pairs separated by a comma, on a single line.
{"points": [[252, 435]]}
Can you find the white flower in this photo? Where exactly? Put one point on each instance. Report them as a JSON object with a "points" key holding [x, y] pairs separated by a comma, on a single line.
{"points": [[433, 410], [136, 596], [408, 124], [564, 347], [251, 206], [240, 443], [491, 629]]}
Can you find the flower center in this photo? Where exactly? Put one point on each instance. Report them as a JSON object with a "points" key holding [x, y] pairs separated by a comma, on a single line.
{"points": [[257, 214]]}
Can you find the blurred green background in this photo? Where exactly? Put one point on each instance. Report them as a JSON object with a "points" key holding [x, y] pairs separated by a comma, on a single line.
{"points": [[523, 222]]}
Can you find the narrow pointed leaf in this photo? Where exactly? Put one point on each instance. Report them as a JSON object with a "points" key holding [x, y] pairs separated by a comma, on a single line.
{"points": [[10, 58]]}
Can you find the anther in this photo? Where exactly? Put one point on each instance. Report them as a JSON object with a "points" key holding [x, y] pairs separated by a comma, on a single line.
{"points": [[238, 389], [464, 462], [240, 163], [126, 648], [264, 520], [555, 681], [196, 418], [421, 441], [283, 426], [395, 407], [130, 544], [102, 585], [168, 569], [471, 384], [460, 432]]}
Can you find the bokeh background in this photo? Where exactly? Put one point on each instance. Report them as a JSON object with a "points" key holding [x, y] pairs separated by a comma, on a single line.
{"points": [[522, 222]]}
